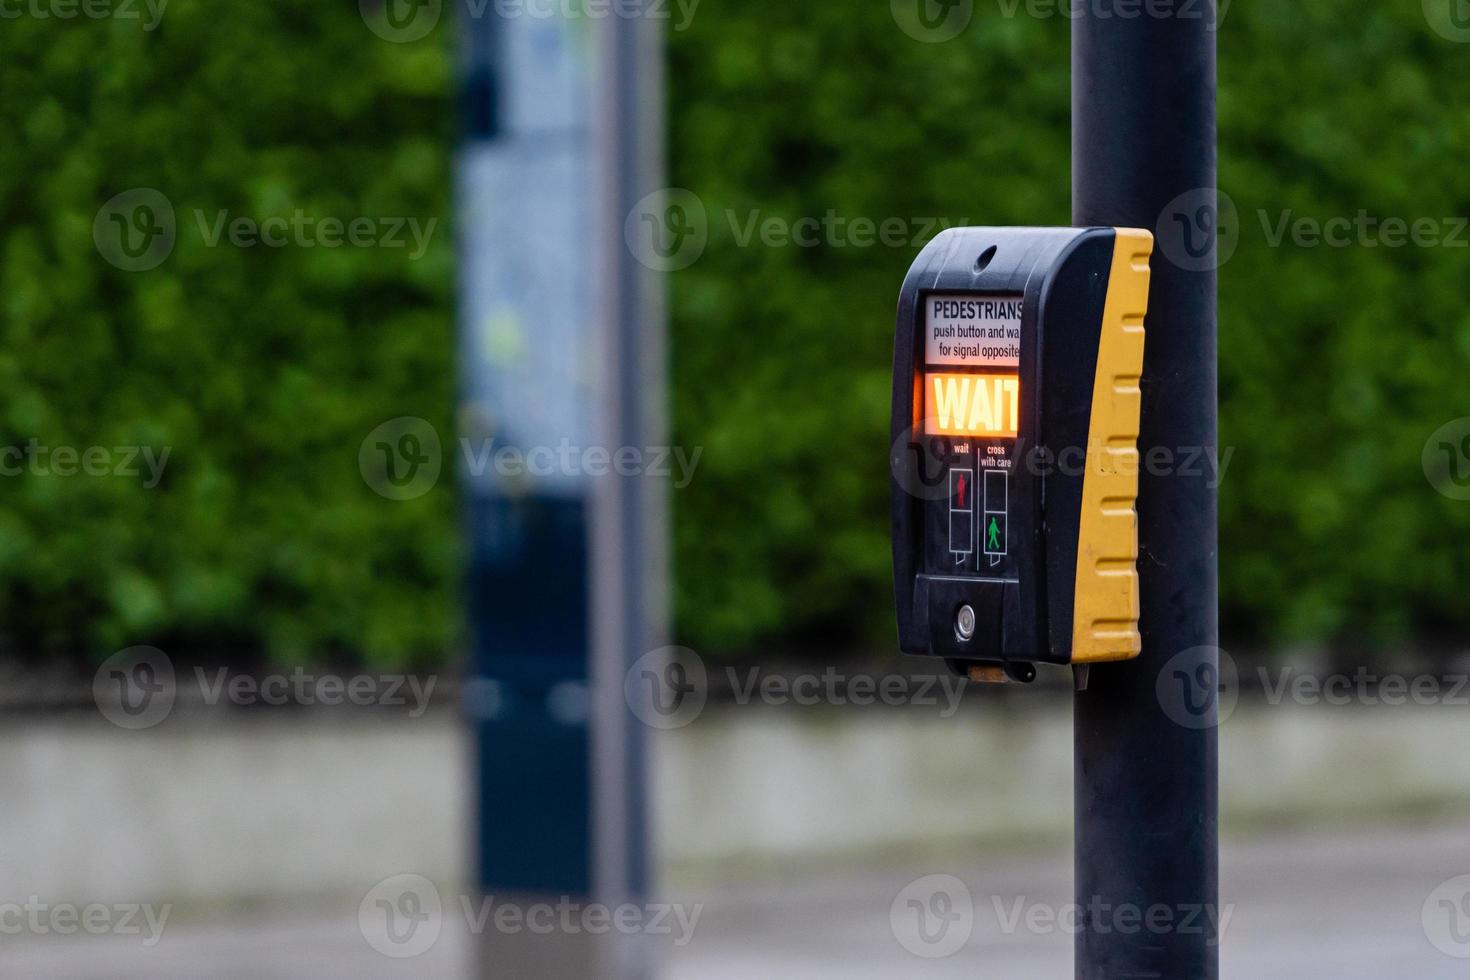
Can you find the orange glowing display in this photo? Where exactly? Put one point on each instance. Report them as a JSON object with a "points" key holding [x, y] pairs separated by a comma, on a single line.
{"points": [[973, 405]]}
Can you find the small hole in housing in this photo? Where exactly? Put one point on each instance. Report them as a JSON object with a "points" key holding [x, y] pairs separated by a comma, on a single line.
{"points": [[984, 259]]}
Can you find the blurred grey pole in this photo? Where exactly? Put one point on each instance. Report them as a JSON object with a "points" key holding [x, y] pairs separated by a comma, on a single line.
{"points": [[1143, 155], [630, 539], [561, 352]]}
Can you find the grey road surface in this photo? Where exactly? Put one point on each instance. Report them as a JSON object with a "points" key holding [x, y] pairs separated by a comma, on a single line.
{"points": [[1344, 905]]}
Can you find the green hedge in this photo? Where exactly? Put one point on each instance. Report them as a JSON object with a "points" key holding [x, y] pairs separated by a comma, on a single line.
{"points": [[260, 369], [263, 369]]}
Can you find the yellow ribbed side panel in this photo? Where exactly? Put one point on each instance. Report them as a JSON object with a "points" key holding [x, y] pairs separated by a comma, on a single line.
{"points": [[1105, 612]]}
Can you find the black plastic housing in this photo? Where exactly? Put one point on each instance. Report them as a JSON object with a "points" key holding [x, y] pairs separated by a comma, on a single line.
{"points": [[1024, 601]]}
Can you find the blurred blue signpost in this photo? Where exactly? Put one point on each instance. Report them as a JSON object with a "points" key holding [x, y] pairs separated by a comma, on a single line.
{"points": [[561, 352]]}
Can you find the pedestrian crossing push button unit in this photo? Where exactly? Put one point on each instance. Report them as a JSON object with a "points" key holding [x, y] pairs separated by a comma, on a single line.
{"points": [[1016, 371]]}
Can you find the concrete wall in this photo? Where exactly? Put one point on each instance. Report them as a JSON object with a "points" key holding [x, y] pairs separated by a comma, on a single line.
{"points": [[281, 807], [242, 811], [768, 789]]}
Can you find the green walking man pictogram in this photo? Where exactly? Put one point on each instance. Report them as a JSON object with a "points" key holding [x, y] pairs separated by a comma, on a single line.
{"points": [[992, 536]]}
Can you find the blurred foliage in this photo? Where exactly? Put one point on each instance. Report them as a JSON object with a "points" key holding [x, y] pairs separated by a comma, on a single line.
{"points": [[1336, 364], [261, 370]]}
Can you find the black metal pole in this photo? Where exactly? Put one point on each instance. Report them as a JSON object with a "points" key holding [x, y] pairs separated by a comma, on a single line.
{"points": [[1147, 798]]}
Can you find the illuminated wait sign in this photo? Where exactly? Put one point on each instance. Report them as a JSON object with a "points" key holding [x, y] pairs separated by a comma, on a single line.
{"points": [[973, 405]]}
